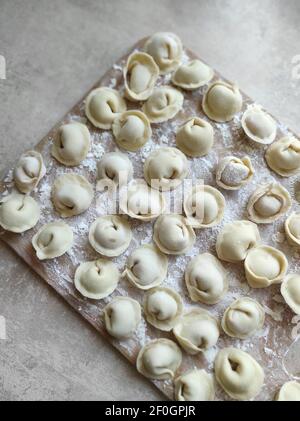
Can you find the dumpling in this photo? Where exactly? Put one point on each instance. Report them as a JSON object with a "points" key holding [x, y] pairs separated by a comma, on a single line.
{"points": [[197, 331], [165, 168], [146, 267], [195, 385], [236, 239], [258, 125], [292, 229], [173, 234], [283, 156], [131, 130], [71, 144], [159, 359], [166, 49], [71, 194], [102, 106], [290, 290], [164, 103], [29, 171], [110, 235], [289, 392], [122, 317], [264, 266], [96, 279], [18, 212], [52, 240], [195, 138], [206, 279], [243, 318], [204, 206], [192, 75], [268, 203], [140, 76], [162, 307], [222, 101], [233, 173], [113, 166], [239, 375]]}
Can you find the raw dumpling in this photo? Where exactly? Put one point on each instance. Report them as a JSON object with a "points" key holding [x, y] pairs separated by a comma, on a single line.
{"points": [[131, 130], [165, 168], [18, 212], [195, 385], [292, 229], [140, 76], [159, 359], [71, 194], [290, 290], [115, 166], [173, 234], [29, 171], [195, 138], [264, 266], [122, 317], [283, 156], [192, 75], [289, 392], [102, 106], [97, 279], [243, 318], [238, 374], [71, 144], [110, 235], [206, 279], [164, 103], [166, 49], [233, 173], [146, 267], [268, 203], [222, 101], [52, 240], [236, 239], [258, 125], [197, 331], [162, 307], [204, 207]]}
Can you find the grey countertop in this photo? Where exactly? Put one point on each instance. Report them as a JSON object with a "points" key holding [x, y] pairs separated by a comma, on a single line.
{"points": [[55, 51]]}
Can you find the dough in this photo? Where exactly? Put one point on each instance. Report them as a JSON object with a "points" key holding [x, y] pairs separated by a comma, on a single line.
{"points": [[97, 279], [289, 392], [264, 266], [195, 385], [165, 168], [236, 239], [290, 290], [238, 374], [110, 235], [162, 307], [206, 279], [159, 359], [283, 156], [29, 171], [268, 203], [166, 49], [197, 331], [140, 76], [195, 138], [243, 318], [164, 103], [113, 166], [146, 267], [204, 207], [131, 130], [222, 101], [233, 173], [122, 317], [102, 106], [258, 125], [292, 229], [18, 212], [173, 235], [52, 240], [192, 75], [71, 194]]}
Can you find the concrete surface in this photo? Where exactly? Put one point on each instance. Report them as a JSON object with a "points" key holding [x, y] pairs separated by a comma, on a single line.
{"points": [[54, 52]]}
